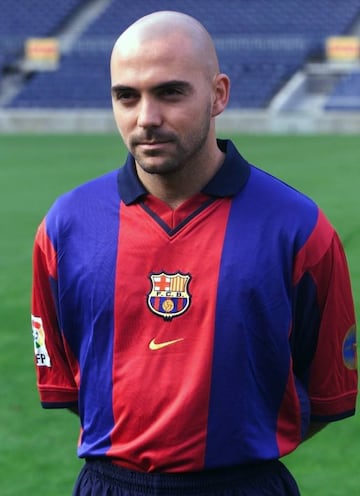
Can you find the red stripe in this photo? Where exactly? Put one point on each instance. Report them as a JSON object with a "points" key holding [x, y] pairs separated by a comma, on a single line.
{"points": [[161, 397]]}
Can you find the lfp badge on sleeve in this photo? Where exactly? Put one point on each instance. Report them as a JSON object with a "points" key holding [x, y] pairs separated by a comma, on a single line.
{"points": [[38, 332], [169, 296]]}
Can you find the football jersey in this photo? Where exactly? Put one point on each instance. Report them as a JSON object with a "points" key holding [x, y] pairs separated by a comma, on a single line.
{"points": [[201, 337]]}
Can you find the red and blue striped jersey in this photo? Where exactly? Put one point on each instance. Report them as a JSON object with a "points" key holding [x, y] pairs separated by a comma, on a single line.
{"points": [[200, 337]]}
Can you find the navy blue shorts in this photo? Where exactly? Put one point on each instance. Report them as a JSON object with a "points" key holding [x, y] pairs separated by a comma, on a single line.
{"points": [[101, 478]]}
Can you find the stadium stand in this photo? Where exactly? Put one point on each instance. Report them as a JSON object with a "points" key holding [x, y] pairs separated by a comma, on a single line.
{"points": [[346, 94], [259, 47], [33, 17], [20, 20]]}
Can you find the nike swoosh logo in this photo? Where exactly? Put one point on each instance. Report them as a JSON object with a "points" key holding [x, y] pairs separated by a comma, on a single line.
{"points": [[157, 346]]}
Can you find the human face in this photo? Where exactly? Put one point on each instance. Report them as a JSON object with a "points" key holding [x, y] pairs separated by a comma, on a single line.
{"points": [[162, 105]]}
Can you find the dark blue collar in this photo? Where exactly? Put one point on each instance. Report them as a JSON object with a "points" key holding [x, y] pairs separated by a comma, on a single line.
{"points": [[228, 181]]}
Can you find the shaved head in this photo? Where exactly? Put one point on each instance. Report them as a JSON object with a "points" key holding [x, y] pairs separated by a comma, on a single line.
{"points": [[166, 92], [166, 26]]}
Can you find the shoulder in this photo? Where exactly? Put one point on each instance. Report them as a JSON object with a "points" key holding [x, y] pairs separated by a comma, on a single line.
{"points": [[92, 192], [271, 201], [84, 202], [96, 189], [277, 193]]}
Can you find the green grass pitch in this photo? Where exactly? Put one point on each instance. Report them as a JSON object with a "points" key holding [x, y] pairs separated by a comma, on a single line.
{"points": [[38, 448]]}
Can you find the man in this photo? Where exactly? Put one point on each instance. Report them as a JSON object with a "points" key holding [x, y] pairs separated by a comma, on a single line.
{"points": [[195, 311]]}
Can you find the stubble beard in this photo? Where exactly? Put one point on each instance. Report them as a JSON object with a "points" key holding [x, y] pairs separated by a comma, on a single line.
{"points": [[184, 153]]}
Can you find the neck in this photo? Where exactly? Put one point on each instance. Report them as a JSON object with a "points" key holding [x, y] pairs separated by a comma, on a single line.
{"points": [[175, 188]]}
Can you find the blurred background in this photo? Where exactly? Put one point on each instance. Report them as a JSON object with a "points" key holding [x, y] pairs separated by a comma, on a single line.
{"points": [[294, 111], [294, 65]]}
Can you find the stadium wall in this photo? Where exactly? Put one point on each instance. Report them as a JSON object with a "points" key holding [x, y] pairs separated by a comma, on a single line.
{"points": [[231, 121]]}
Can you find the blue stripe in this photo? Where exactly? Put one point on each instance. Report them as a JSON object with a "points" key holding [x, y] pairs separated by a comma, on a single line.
{"points": [[86, 238], [251, 361]]}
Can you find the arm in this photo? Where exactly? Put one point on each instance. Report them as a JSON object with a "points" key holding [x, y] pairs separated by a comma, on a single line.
{"points": [[333, 377], [55, 374], [324, 336]]}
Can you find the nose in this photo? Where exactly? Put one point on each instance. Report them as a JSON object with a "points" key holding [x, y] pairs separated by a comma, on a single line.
{"points": [[149, 113]]}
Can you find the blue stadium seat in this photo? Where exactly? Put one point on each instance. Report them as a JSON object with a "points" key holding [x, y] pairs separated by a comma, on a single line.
{"points": [[260, 45], [82, 82], [31, 18], [346, 94]]}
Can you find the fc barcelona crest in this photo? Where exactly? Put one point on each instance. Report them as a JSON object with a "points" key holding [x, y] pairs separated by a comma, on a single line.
{"points": [[169, 296]]}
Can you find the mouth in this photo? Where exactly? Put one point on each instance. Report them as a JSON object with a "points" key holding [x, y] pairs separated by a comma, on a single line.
{"points": [[152, 138], [153, 142], [152, 145]]}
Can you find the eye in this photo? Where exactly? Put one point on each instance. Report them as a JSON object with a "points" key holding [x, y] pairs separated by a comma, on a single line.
{"points": [[171, 91], [124, 95], [174, 90]]}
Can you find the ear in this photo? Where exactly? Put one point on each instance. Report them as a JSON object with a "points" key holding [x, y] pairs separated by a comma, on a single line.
{"points": [[221, 86]]}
